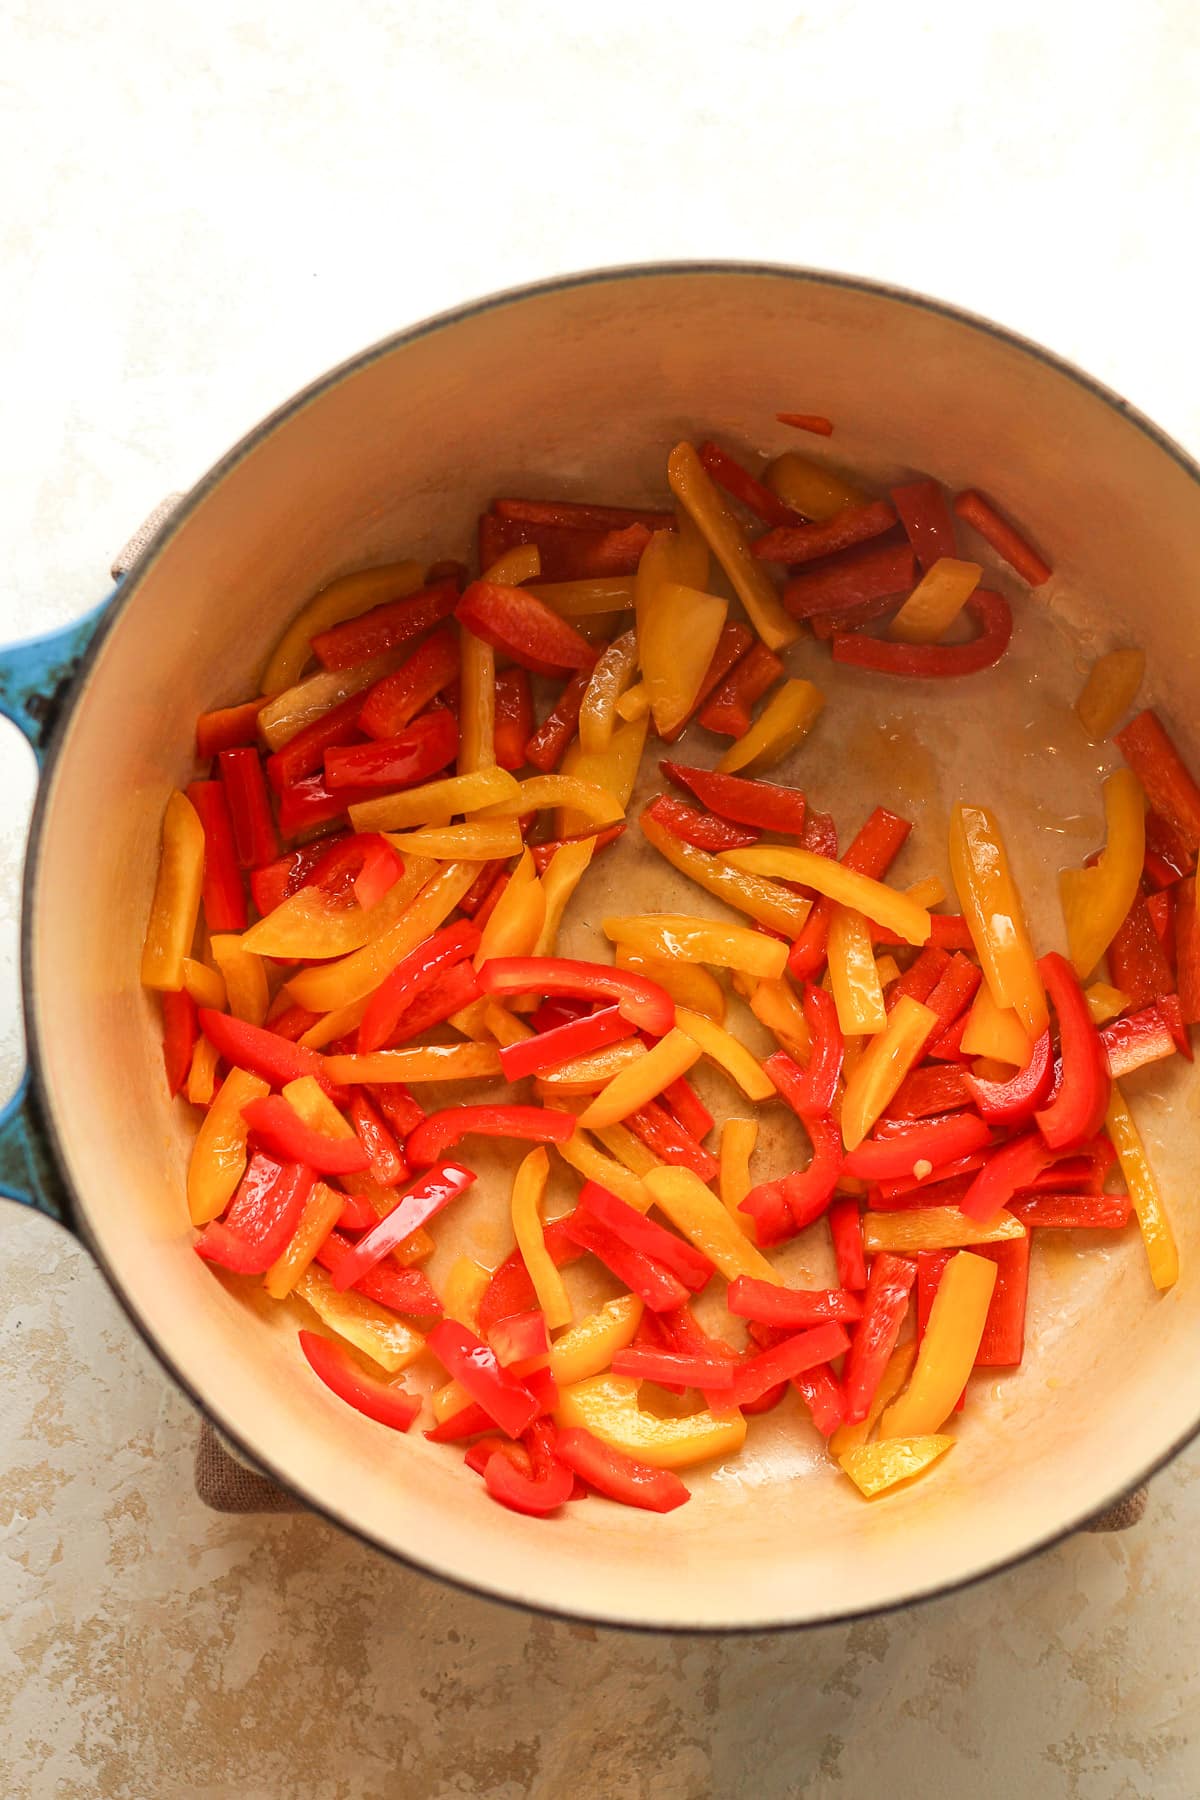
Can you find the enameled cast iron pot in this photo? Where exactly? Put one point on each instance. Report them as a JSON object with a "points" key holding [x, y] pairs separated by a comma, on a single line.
{"points": [[580, 386]]}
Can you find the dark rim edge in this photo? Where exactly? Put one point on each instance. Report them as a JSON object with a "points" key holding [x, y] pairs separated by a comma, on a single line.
{"points": [[187, 508]]}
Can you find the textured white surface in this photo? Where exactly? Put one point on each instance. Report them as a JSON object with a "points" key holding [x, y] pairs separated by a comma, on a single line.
{"points": [[202, 210]]}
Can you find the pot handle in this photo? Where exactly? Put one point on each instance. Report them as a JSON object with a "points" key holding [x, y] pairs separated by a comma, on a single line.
{"points": [[34, 679]]}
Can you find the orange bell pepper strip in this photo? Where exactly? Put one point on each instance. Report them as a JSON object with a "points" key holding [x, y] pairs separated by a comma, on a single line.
{"points": [[740, 885], [775, 1005], [528, 1191], [478, 840], [218, 1159], [935, 602], [589, 1074], [784, 722], [612, 771], [810, 488], [609, 680], [429, 1062], [462, 1290], [996, 1032], [689, 984], [671, 1057], [693, 487], [857, 992], [308, 924], [202, 1073], [322, 1210], [738, 1138], [682, 938], [536, 793], [580, 1154], [883, 1066], [1161, 1251], [516, 922], [337, 984], [1109, 691], [588, 1348], [696, 1211], [562, 876], [342, 599], [1095, 901], [477, 705], [436, 802], [607, 1406], [205, 985], [899, 1368], [948, 1349], [244, 975], [995, 917], [934, 1228], [883, 905], [372, 1329], [878, 1468], [176, 903]]}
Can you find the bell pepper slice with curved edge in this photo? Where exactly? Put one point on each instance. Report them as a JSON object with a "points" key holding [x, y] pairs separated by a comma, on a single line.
{"points": [[700, 1216], [538, 1493], [927, 520], [738, 884], [465, 1284], [514, 924], [763, 805], [385, 1402], [607, 1407], [728, 473], [934, 1228], [529, 1186], [1109, 691], [994, 1032], [422, 749], [933, 1141], [680, 937], [371, 1328], [853, 975], [1004, 539], [1162, 1254], [304, 753], [643, 1002], [588, 1074], [204, 984], [687, 1264], [562, 875], [703, 829], [612, 772], [261, 1218], [592, 595], [738, 1138], [935, 602], [689, 984], [332, 985], [321, 1212], [879, 1468], [477, 704], [814, 422], [929, 662], [218, 1158], [618, 1476], [441, 1131], [181, 1031], [784, 1361], [679, 628], [722, 1048], [992, 908], [845, 1231], [515, 621], [544, 853], [784, 722], [810, 488], [470, 1362], [792, 1309], [1076, 1112], [283, 1133], [589, 1347], [223, 892], [872, 853], [873, 899], [264, 1052], [694, 489], [630, 1089], [810, 1091], [655, 1284], [609, 679], [436, 801], [342, 599], [176, 903], [885, 1306], [841, 593], [580, 1154], [775, 1005], [1096, 900], [228, 728], [789, 1204], [385, 627], [947, 1351], [312, 700], [477, 840], [883, 1066], [804, 543], [547, 745], [597, 804], [201, 1074], [427, 1062], [549, 1049], [432, 1191], [728, 710], [381, 870], [395, 700], [1169, 785], [1014, 1102], [928, 1091]]}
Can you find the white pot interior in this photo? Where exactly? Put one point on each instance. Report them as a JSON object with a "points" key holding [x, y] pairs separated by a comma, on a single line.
{"points": [[581, 390]]}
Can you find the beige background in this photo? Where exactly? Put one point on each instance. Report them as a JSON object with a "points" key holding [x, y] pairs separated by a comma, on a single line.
{"points": [[210, 206]]}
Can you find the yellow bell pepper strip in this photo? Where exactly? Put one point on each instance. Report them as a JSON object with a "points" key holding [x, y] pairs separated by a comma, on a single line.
{"points": [[331, 1026], [995, 1032], [500, 1023], [564, 872], [205, 985], [1161, 1251], [202, 1073], [607, 1406], [634, 702], [1109, 691], [435, 802], [995, 917], [1105, 1002], [628, 1149], [322, 1210], [853, 976], [883, 905], [309, 924], [671, 1057], [516, 921], [539, 792], [695, 1211], [899, 1368], [948, 1349], [722, 1048], [176, 903], [681, 937], [378, 1333], [887, 969], [528, 1192], [934, 1228], [582, 1156], [738, 1138], [678, 625], [1095, 901], [609, 680], [244, 975], [784, 722], [589, 1074], [935, 602], [612, 771], [461, 1292], [741, 887], [878, 1468], [353, 977], [521, 563], [478, 840], [809, 487], [477, 705], [693, 487], [687, 983], [588, 1348], [280, 719], [928, 892], [343, 599], [883, 1066], [429, 1062], [584, 599]]}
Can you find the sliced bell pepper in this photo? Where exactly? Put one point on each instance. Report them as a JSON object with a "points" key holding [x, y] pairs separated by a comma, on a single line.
{"points": [[670, 1142], [433, 1191], [948, 1349], [515, 566], [928, 1091], [551, 1048], [738, 1138], [321, 1212], [678, 629], [762, 805], [561, 877], [434, 802], [860, 893], [810, 488], [774, 1004], [609, 774], [1109, 691], [705, 830], [249, 807], [1136, 959], [871, 853], [429, 1062], [1095, 900], [845, 1229], [1169, 785], [572, 553], [204, 984], [865, 581], [994, 1032], [337, 984], [722, 1048], [618, 1476], [1058, 1212], [1143, 1037], [506, 1401], [729, 474], [674, 1368], [934, 1228], [343, 599], [477, 840], [952, 994], [789, 1204], [411, 757], [223, 891], [935, 602], [580, 515], [181, 1030], [927, 521], [1168, 857], [679, 937], [728, 708], [1004, 539], [515, 621], [1012, 1167], [601, 595], [644, 1080], [814, 422], [1077, 1110], [928, 662], [934, 1141], [607, 1407], [810, 1091], [784, 722], [599, 805], [381, 870], [645, 1004], [792, 1309], [580, 1154], [296, 708], [264, 1052], [201, 1074], [685, 1104], [441, 1131], [692, 486], [261, 1218], [804, 543], [853, 1437], [548, 1485], [304, 754], [283, 1133], [176, 903], [700, 1216], [878, 1468], [477, 704], [385, 1402], [529, 1186], [1015, 1101], [465, 1284], [885, 1305], [547, 745], [588, 1074], [1162, 1254], [656, 1285], [589, 1347], [373, 1329], [740, 886], [395, 700], [993, 911], [387, 1164], [884, 1065], [1002, 1344], [786, 1360], [227, 728], [688, 1265], [218, 1158], [244, 975], [358, 640], [514, 717], [853, 976]]}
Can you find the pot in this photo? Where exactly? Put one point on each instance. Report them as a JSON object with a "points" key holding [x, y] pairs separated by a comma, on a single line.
{"points": [[579, 386]]}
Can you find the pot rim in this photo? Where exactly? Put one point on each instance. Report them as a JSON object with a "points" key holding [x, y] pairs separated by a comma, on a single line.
{"points": [[682, 269]]}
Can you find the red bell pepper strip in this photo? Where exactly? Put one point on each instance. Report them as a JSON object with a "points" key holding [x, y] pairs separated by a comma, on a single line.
{"points": [[404, 761], [928, 1092], [947, 1190], [927, 521], [673, 1368], [872, 852], [482, 886], [805, 1193], [385, 627], [920, 979], [408, 1291], [411, 977], [277, 880], [441, 1131], [935, 1141], [1002, 1344], [510, 1289], [670, 1141], [467, 1422], [582, 515], [948, 931], [451, 990], [280, 1129], [519, 1338], [643, 1002], [379, 1400], [821, 1392], [1083, 1170], [804, 543], [859, 584], [685, 1262], [1059, 1212], [784, 1361], [1014, 1165], [245, 785], [491, 899], [1187, 953], [661, 1291], [568, 553], [180, 1030], [727, 710], [925, 662], [381, 870], [814, 422], [538, 1494], [1139, 1038], [680, 1330], [387, 1165], [304, 754], [1167, 857], [340, 863], [618, 1476], [507, 1401], [1015, 1101], [705, 830], [553, 1013], [1161, 908], [543, 854], [947, 1046], [260, 1219], [223, 893], [550, 1049], [547, 745], [394, 701], [768, 1400], [515, 621], [762, 805], [735, 642], [819, 834], [845, 1229], [827, 625], [809, 1091], [514, 717], [739, 482], [357, 1214], [790, 1309], [1136, 960], [483, 1449], [884, 1307], [398, 1105], [685, 1105], [264, 1053], [951, 995], [305, 804], [228, 728], [1077, 1111], [767, 1206], [1004, 539]]}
